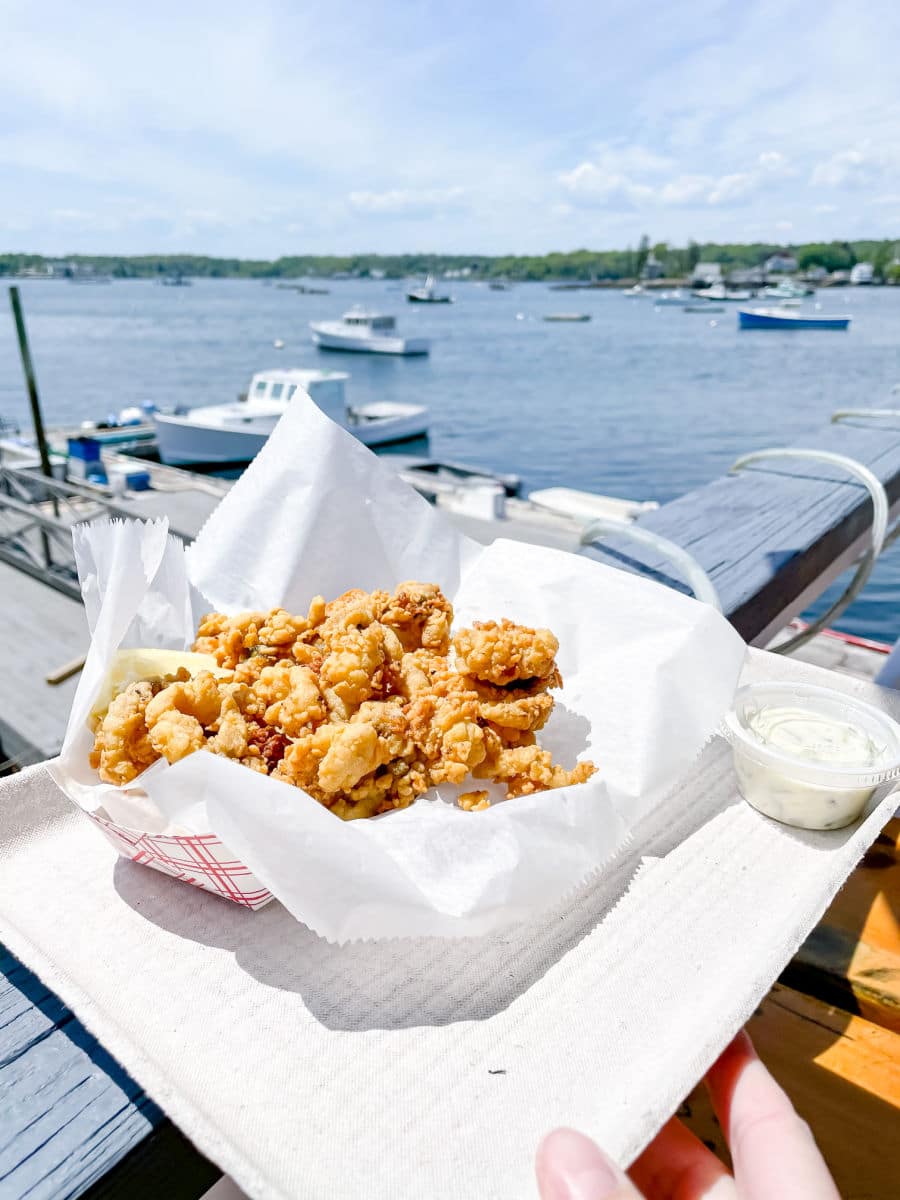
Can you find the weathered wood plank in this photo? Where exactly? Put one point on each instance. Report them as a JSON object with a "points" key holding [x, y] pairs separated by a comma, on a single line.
{"points": [[852, 958], [33, 713], [69, 1110], [843, 1075], [766, 534]]}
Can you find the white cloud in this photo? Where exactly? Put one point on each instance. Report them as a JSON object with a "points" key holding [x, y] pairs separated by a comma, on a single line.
{"points": [[769, 165], [593, 184], [847, 168], [686, 189], [407, 201], [825, 208], [622, 159], [732, 187]]}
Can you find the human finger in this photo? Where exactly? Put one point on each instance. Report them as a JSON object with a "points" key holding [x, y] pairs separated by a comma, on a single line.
{"points": [[773, 1150], [676, 1164], [569, 1166]]}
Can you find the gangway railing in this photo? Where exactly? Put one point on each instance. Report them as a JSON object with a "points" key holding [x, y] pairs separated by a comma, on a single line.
{"points": [[37, 515]]}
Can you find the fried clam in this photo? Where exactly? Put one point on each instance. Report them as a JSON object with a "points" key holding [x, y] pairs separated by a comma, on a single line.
{"points": [[361, 703]]}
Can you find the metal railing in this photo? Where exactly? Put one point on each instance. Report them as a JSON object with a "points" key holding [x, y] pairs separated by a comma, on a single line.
{"points": [[36, 519]]}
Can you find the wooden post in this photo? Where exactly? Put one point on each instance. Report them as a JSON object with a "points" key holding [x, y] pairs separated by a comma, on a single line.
{"points": [[36, 417], [31, 382]]}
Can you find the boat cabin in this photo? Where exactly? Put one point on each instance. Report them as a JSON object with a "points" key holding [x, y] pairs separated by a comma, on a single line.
{"points": [[369, 320], [280, 386]]}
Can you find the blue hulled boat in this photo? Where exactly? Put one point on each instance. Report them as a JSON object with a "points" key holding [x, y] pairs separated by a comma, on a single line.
{"points": [[778, 318]]}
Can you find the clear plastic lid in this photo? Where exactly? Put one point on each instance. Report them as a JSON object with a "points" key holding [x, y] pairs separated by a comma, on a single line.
{"points": [[871, 728]]}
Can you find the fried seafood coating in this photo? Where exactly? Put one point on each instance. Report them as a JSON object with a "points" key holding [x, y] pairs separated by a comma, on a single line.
{"points": [[358, 703], [527, 769], [421, 615], [177, 715], [122, 746], [505, 653], [473, 801]]}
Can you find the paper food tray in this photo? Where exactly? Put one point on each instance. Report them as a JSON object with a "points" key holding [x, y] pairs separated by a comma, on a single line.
{"points": [[197, 858]]}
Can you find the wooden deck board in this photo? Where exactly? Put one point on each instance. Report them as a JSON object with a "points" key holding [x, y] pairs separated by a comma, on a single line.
{"points": [[69, 1110], [52, 626], [852, 958], [843, 1075]]}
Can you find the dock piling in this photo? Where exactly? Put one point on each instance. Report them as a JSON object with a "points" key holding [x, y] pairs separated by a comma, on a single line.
{"points": [[34, 400]]}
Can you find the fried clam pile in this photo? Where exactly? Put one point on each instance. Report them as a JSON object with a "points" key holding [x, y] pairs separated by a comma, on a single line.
{"points": [[361, 703]]}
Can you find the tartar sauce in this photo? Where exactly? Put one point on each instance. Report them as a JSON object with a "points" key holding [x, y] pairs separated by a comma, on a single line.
{"points": [[809, 756], [814, 737], [808, 737]]}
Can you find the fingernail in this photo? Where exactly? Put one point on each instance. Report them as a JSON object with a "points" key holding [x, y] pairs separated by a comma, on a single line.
{"points": [[742, 1041], [571, 1167]]}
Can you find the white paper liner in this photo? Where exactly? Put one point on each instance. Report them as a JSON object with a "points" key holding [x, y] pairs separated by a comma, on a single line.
{"points": [[648, 675]]}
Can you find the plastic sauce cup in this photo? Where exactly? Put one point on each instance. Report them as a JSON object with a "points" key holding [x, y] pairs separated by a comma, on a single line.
{"points": [[808, 756]]}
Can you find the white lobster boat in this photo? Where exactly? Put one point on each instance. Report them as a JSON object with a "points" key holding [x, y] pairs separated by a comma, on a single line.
{"points": [[366, 332], [233, 434]]}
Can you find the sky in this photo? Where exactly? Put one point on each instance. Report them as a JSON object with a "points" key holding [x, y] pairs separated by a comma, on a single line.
{"points": [[274, 127]]}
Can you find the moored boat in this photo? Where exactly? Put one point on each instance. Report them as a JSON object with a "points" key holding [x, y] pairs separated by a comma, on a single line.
{"points": [[719, 293], [567, 316], [670, 299], [428, 294], [779, 318], [234, 433], [786, 289], [366, 332]]}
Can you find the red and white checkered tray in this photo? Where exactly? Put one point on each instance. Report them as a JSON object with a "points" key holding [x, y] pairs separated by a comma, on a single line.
{"points": [[200, 859]]}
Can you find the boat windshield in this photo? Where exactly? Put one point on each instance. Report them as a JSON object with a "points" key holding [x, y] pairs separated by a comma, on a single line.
{"points": [[369, 320]]}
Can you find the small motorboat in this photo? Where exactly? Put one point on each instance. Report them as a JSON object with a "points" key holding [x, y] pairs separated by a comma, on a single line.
{"points": [[233, 434], [719, 293], [636, 290], [786, 289], [428, 294], [498, 285], [366, 332], [780, 318], [706, 307], [670, 299], [567, 316]]}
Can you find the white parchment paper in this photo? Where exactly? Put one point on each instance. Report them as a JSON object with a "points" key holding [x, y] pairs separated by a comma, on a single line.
{"points": [[648, 674]]}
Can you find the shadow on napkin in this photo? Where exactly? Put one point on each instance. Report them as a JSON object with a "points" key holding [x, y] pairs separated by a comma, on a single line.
{"points": [[377, 985], [416, 981]]}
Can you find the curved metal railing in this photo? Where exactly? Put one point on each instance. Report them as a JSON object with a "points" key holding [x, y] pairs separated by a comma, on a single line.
{"points": [[700, 583], [876, 543]]}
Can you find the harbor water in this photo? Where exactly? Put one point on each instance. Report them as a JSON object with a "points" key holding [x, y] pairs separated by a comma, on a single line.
{"points": [[639, 402]]}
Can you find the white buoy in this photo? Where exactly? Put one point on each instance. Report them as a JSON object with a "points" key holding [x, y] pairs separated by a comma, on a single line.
{"points": [[713, 324], [520, 316], [278, 344]]}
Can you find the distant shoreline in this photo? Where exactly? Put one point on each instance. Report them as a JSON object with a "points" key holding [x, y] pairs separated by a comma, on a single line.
{"points": [[667, 266]]}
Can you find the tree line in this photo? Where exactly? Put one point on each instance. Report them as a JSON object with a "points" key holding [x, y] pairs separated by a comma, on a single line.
{"points": [[571, 265]]}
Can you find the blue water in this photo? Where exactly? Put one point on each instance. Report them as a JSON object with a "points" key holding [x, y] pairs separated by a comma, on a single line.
{"points": [[639, 402]]}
